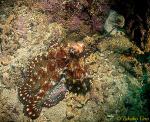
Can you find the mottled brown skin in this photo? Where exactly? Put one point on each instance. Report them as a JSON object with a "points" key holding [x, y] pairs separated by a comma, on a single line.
{"points": [[43, 86]]}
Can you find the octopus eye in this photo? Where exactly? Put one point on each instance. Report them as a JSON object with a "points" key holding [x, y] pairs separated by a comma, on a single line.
{"points": [[72, 52], [76, 48]]}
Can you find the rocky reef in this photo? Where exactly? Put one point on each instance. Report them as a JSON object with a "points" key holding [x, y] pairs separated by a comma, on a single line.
{"points": [[59, 67]]}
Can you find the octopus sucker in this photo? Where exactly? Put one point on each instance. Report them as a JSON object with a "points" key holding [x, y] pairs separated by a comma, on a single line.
{"points": [[47, 74], [55, 95]]}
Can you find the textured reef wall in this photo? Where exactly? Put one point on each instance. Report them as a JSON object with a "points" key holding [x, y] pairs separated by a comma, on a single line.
{"points": [[44, 77]]}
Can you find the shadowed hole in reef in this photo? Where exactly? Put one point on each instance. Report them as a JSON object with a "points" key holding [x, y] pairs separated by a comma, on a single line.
{"points": [[136, 14], [137, 23]]}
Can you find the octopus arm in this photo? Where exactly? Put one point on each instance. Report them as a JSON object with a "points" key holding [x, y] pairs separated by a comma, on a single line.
{"points": [[55, 95], [32, 110]]}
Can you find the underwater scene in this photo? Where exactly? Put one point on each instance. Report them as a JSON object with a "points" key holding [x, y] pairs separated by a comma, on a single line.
{"points": [[74, 61]]}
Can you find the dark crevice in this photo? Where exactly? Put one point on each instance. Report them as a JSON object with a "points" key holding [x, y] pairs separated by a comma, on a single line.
{"points": [[136, 15]]}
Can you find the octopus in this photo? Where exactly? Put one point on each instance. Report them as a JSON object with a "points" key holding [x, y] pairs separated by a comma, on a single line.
{"points": [[45, 77]]}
